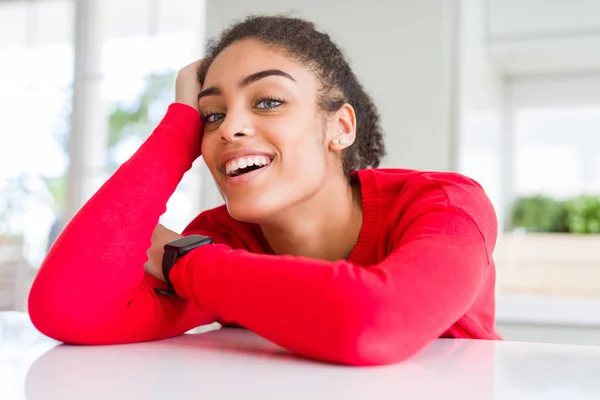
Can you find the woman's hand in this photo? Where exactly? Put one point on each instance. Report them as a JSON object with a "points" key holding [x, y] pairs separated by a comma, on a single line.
{"points": [[187, 86], [160, 237]]}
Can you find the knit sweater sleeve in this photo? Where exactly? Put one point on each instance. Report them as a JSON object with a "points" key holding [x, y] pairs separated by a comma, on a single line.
{"points": [[92, 287], [353, 314]]}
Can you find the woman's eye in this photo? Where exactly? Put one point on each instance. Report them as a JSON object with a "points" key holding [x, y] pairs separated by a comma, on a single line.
{"points": [[269, 103], [208, 118]]}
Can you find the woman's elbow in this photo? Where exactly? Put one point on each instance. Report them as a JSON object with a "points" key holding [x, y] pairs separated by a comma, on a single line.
{"points": [[371, 346], [46, 313], [56, 316], [369, 332], [65, 325]]}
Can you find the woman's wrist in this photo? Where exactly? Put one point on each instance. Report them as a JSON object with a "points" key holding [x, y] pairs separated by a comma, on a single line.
{"points": [[187, 106]]}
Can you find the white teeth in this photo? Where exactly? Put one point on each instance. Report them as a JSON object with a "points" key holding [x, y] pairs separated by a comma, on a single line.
{"points": [[232, 166]]}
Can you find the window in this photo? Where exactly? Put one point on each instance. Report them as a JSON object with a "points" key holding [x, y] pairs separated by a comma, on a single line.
{"points": [[143, 45], [133, 52], [552, 247], [36, 78]]}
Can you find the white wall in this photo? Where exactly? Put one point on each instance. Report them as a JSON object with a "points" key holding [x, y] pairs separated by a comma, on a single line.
{"points": [[402, 54], [544, 36], [520, 18]]}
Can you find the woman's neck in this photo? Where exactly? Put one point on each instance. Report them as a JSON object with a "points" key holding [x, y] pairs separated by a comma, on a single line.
{"points": [[326, 226]]}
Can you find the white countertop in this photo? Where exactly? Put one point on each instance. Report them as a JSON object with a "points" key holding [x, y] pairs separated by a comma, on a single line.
{"points": [[236, 364]]}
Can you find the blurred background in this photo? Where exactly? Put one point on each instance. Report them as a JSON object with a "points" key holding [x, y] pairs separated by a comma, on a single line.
{"points": [[505, 91]]}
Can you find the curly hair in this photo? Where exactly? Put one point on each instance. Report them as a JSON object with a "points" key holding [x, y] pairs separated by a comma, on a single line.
{"points": [[338, 84]]}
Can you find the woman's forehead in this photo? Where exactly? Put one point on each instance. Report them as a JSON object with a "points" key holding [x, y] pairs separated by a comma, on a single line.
{"points": [[247, 57]]}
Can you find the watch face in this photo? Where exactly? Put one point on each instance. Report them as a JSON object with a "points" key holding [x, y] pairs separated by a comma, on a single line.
{"points": [[187, 243]]}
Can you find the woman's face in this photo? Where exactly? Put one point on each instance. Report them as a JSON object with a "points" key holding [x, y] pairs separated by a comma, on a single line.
{"points": [[265, 141]]}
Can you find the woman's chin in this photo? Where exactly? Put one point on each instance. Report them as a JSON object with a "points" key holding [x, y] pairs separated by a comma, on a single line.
{"points": [[248, 211]]}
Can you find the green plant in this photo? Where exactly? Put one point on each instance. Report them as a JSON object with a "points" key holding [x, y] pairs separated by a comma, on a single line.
{"points": [[583, 214], [539, 214], [544, 214]]}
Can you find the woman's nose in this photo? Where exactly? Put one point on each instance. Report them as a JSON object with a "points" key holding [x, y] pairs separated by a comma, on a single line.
{"points": [[234, 130]]}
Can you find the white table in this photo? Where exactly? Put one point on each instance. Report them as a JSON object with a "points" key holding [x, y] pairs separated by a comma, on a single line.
{"points": [[236, 364]]}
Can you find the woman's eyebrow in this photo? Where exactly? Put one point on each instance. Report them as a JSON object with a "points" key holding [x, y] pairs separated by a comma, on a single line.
{"points": [[211, 91], [263, 74], [216, 91]]}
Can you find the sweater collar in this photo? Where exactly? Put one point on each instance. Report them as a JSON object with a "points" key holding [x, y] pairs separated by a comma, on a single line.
{"points": [[364, 252]]}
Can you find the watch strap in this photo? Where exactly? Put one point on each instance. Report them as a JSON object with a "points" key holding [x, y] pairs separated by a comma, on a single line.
{"points": [[170, 256]]}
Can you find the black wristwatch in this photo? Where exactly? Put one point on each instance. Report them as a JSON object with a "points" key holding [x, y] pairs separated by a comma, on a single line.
{"points": [[175, 250]]}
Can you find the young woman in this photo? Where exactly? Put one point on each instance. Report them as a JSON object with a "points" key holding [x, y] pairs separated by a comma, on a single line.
{"points": [[314, 249]]}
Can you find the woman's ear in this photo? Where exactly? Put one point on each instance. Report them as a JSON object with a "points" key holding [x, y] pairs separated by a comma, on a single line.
{"points": [[344, 133]]}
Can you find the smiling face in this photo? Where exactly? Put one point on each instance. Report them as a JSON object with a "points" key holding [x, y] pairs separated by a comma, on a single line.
{"points": [[266, 143]]}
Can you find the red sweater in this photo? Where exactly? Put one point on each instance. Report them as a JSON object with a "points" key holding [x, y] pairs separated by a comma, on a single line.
{"points": [[422, 267]]}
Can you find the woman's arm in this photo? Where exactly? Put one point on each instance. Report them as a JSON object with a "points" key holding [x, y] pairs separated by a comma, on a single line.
{"points": [[92, 288], [346, 313]]}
